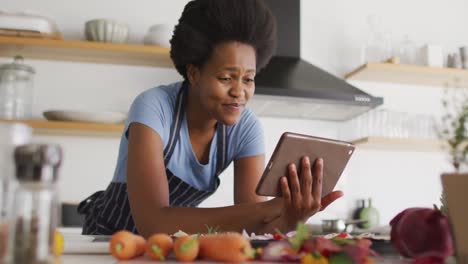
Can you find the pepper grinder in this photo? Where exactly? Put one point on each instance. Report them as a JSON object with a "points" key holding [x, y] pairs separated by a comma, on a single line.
{"points": [[36, 207]]}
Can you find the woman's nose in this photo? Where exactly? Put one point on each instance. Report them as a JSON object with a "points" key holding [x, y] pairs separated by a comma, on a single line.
{"points": [[237, 89]]}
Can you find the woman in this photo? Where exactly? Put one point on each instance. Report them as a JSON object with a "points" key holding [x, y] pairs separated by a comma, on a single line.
{"points": [[179, 138]]}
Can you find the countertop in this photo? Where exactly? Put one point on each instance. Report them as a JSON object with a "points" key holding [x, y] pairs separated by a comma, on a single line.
{"points": [[82, 250]]}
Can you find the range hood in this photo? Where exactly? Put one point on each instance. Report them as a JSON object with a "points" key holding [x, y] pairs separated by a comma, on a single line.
{"points": [[291, 87]]}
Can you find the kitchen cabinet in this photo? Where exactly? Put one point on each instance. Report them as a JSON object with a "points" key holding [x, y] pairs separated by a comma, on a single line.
{"points": [[410, 74], [82, 51]]}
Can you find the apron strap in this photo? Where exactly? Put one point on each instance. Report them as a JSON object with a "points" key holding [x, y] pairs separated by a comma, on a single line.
{"points": [[221, 157], [176, 123]]}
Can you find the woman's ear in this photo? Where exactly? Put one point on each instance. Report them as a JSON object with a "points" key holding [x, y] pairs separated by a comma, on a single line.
{"points": [[193, 74]]}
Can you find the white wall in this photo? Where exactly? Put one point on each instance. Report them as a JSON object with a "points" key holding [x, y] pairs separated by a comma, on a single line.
{"points": [[332, 34]]}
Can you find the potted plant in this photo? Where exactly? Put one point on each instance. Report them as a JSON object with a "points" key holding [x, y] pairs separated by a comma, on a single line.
{"points": [[453, 130]]}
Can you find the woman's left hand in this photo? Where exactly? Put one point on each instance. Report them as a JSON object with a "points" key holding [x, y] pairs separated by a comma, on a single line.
{"points": [[303, 198]]}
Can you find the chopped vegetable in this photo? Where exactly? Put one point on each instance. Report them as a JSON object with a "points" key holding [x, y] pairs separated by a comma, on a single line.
{"points": [[159, 246], [340, 259], [314, 259], [277, 250], [226, 247], [302, 233], [186, 248], [277, 237], [125, 245]]}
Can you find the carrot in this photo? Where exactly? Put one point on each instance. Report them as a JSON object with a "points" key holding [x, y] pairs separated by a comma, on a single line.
{"points": [[159, 246], [126, 245], [226, 247], [186, 248]]}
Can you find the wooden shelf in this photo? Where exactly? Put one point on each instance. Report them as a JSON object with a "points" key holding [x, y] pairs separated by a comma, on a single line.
{"points": [[65, 128], [411, 144], [85, 51], [410, 74]]}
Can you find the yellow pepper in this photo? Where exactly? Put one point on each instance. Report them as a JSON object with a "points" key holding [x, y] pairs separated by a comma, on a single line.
{"points": [[58, 243], [314, 259]]}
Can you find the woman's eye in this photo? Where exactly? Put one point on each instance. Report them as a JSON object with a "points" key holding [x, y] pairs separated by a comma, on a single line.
{"points": [[224, 79]]}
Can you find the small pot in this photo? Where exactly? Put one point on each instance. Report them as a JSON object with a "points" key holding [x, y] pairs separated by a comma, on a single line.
{"points": [[338, 225]]}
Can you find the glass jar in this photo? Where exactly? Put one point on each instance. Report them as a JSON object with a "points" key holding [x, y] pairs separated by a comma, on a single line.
{"points": [[16, 85], [11, 135], [36, 207]]}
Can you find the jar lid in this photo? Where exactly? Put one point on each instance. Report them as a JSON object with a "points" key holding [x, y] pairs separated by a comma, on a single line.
{"points": [[30, 157], [17, 65]]}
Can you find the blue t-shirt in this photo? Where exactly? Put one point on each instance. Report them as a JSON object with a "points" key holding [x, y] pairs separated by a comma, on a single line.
{"points": [[155, 109]]}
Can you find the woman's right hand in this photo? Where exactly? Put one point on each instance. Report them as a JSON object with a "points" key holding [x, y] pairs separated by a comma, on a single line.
{"points": [[303, 198]]}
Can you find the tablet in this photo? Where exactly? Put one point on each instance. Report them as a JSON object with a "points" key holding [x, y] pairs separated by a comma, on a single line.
{"points": [[291, 147]]}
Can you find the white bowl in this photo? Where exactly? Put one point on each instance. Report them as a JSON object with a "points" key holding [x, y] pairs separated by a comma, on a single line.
{"points": [[107, 117], [106, 30], [159, 35]]}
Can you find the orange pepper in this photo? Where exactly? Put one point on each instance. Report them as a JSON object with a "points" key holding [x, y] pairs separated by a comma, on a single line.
{"points": [[314, 259]]}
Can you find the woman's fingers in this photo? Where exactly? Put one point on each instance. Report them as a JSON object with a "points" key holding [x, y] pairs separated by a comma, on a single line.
{"points": [[285, 193], [317, 183], [306, 182], [330, 198], [295, 187]]}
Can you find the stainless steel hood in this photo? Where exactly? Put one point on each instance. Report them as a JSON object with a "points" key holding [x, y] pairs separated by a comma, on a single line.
{"points": [[291, 87]]}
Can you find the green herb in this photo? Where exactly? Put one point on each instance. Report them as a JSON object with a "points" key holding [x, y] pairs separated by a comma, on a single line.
{"points": [[302, 233], [343, 241], [212, 230]]}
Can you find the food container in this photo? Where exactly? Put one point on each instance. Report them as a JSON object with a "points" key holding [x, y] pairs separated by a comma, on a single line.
{"points": [[159, 35], [16, 87], [36, 210], [11, 135], [106, 30]]}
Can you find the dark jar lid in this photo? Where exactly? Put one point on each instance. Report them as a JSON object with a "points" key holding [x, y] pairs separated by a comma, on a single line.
{"points": [[37, 162]]}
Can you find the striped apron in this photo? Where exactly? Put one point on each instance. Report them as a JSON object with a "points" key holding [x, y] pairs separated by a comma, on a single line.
{"points": [[109, 211]]}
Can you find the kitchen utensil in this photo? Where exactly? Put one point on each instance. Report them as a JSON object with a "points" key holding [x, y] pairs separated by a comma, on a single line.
{"points": [[107, 117], [407, 51], [16, 85], [454, 61], [338, 225], [106, 30], [464, 57], [27, 23], [159, 35], [432, 55]]}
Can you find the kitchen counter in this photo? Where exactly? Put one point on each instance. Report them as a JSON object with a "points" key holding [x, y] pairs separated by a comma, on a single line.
{"points": [[82, 250], [108, 259]]}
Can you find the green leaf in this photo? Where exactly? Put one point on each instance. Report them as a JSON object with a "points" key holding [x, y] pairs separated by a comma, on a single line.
{"points": [[343, 241], [340, 258], [302, 233]]}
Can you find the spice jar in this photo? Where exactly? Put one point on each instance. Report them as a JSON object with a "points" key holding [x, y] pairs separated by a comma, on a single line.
{"points": [[36, 207], [11, 135], [16, 85]]}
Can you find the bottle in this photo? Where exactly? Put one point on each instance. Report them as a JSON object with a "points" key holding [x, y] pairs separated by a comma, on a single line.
{"points": [[11, 135], [370, 214], [36, 210], [361, 203]]}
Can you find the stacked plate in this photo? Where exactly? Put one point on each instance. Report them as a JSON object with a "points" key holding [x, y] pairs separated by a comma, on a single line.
{"points": [[106, 117]]}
